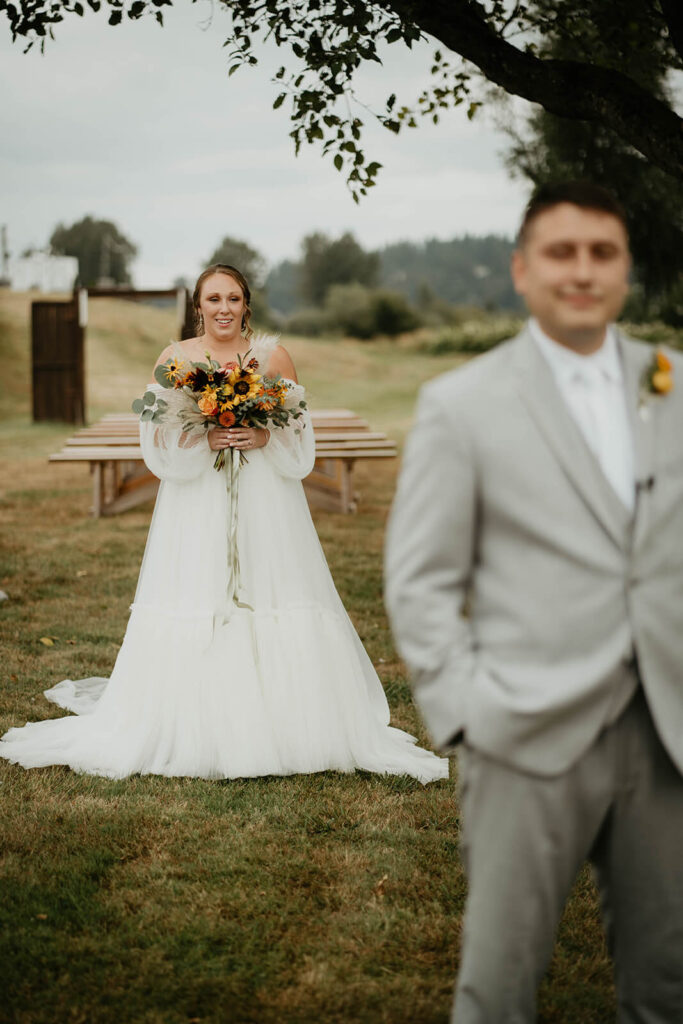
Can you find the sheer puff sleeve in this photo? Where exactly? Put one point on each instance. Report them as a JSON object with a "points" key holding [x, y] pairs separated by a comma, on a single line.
{"points": [[171, 453], [291, 450]]}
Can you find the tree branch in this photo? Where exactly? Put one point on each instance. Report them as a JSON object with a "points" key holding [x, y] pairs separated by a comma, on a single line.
{"points": [[568, 89]]}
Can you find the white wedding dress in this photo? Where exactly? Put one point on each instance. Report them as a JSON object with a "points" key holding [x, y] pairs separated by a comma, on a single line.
{"points": [[203, 687]]}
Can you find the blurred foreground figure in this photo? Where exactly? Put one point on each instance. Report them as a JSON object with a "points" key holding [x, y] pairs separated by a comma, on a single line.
{"points": [[535, 586]]}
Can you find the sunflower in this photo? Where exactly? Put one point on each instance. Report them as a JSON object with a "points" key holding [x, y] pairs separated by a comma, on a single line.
{"points": [[245, 384], [267, 404], [174, 369]]}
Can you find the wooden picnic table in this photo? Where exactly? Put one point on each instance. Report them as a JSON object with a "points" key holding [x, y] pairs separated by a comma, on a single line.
{"points": [[121, 480]]}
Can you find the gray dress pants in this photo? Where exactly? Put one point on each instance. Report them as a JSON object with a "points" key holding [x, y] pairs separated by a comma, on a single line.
{"points": [[525, 838]]}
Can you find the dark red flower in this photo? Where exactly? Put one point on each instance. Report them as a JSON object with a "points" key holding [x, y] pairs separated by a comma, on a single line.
{"points": [[197, 379]]}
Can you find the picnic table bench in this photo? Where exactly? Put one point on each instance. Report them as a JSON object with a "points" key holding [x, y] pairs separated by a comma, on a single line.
{"points": [[121, 480]]}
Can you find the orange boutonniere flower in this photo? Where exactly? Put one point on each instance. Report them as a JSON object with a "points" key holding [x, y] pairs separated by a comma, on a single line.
{"points": [[658, 379], [662, 379]]}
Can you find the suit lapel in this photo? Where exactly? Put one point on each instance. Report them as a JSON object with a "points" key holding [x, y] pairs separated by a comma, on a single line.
{"points": [[544, 401], [642, 418]]}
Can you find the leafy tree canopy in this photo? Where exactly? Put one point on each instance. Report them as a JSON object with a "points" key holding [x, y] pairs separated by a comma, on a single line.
{"points": [[241, 255], [103, 253], [327, 41], [461, 271], [282, 286], [473, 271], [551, 148], [327, 262]]}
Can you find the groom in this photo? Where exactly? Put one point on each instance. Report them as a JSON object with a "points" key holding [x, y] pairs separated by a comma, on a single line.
{"points": [[535, 586]]}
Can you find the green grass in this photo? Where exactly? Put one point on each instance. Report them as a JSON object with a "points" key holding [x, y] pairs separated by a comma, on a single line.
{"points": [[299, 900]]}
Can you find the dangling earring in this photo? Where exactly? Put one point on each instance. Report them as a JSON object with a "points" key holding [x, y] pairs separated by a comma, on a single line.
{"points": [[200, 323]]}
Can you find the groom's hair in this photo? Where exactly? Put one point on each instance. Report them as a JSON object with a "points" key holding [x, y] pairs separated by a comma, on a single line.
{"points": [[585, 194]]}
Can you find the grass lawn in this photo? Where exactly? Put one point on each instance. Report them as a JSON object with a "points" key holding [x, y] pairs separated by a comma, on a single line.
{"points": [[301, 900]]}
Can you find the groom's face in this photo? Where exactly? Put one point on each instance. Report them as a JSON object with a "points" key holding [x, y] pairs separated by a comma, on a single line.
{"points": [[572, 270]]}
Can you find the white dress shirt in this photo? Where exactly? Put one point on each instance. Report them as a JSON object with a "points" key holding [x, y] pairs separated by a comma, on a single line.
{"points": [[593, 388]]}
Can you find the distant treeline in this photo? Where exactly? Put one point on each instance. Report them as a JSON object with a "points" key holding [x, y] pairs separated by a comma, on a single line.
{"points": [[470, 270]]}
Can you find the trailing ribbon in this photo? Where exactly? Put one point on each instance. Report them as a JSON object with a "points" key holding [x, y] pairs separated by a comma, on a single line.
{"points": [[232, 476]]}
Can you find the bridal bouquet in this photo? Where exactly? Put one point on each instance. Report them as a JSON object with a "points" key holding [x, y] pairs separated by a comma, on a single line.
{"points": [[208, 394], [203, 395]]}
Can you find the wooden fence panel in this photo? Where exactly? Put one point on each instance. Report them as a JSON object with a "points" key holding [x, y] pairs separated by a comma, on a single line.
{"points": [[57, 345]]}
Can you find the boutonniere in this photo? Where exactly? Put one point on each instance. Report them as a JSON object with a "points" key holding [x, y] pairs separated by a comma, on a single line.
{"points": [[657, 379]]}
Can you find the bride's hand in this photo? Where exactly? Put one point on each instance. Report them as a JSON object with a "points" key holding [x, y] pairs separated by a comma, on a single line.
{"points": [[242, 438]]}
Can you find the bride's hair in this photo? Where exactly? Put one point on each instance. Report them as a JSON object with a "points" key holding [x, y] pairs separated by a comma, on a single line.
{"points": [[223, 268]]}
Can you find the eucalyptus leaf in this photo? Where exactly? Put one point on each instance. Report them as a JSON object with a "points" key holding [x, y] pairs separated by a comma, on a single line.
{"points": [[138, 405], [162, 404], [147, 414], [160, 376], [149, 398]]}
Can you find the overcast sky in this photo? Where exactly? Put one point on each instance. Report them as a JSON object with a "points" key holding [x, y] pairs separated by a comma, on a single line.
{"points": [[141, 125]]}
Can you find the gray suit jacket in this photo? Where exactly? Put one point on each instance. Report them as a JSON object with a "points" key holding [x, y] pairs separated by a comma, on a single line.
{"points": [[518, 585]]}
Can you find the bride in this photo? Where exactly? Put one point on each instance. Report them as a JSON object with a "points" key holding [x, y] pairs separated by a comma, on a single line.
{"points": [[277, 684]]}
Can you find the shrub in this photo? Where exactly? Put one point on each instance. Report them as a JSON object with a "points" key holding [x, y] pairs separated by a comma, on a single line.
{"points": [[311, 322], [656, 333], [474, 335], [392, 313], [363, 312], [483, 332]]}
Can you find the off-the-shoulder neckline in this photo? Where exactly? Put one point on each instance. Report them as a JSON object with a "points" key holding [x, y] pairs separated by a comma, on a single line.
{"points": [[269, 342]]}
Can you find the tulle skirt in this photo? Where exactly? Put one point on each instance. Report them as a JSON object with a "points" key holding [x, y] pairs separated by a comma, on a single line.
{"points": [[280, 687]]}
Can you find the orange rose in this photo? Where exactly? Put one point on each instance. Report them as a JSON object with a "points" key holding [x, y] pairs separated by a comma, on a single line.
{"points": [[227, 418], [664, 363], [208, 404], [662, 381]]}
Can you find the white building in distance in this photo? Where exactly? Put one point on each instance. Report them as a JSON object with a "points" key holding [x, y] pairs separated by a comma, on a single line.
{"points": [[42, 272]]}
